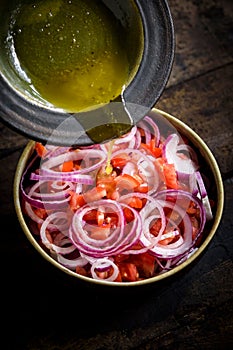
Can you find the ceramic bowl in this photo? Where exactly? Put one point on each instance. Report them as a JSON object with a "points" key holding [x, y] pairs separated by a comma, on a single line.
{"points": [[217, 194]]}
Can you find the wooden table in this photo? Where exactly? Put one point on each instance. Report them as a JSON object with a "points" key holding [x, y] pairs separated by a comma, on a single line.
{"points": [[40, 309]]}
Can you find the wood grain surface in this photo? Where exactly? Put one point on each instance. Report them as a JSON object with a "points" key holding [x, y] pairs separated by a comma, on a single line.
{"points": [[42, 309]]}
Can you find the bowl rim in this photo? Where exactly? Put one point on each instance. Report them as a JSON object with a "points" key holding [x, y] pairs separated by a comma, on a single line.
{"points": [[212, 163]]}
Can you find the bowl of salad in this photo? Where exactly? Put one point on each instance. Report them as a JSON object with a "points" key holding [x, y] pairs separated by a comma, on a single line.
{"points": [[131, 211]]}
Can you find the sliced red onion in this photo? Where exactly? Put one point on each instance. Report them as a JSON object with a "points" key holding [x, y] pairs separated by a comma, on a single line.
{"points": [[147, 133], [169, 251], [130, 168], [71, 263], [144, 166], [126, 138], [204, 196], [53, 151], [155, 129], [59, 219], [138, 140], [104, 263], [63, 176], [189, 151], [121, 237], [37, 219], [180, 196], [183, 163], [180, 259], [43, 200], [91, 159], [200, 184], [155, 211], [151, 211], [150, 129]]}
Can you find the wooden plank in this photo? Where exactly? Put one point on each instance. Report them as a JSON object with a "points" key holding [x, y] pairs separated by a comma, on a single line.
{"points": [[10, 140], [206, 105], [203, 35], [191, 311]]}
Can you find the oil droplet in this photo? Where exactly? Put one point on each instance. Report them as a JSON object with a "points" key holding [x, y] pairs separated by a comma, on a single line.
{"points": [[109, 168]]}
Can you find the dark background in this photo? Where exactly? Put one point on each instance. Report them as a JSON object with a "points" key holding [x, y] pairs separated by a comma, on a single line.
{"points": [[43, 309]]}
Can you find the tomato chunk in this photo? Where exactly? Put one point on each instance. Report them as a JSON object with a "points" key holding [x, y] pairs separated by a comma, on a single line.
{"points": [[145, 264], [128, 271], [170, 176], [126, 182]]}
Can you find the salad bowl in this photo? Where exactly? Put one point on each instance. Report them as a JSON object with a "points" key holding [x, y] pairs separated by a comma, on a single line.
{"points": [[158, 218]]}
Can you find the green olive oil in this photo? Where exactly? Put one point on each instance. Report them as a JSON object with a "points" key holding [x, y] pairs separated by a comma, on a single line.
{"points": [[72, 52]]}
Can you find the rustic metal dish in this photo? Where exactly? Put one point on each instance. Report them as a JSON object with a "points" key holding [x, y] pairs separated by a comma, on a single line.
{"points": [[21, 110], [218, 197]]}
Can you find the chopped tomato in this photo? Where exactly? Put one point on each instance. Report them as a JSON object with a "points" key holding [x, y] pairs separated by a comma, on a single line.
{"points": [[67, 166], [111, 219], [129, 215], [159, 162], [126, 182], [81, 271], [167, 173], [142, 188], [195, 226], [145, 264], [128, 271], [155, 228], [192, 209], [100, 217], [120, 258], [40, 149], [118, 279], [99, 232], [76, 200], [156, 151], [170, 176], [168, 237], [106, 274], [41, 212], [95, 217], [118, 162], [135, 202], [49, 236], [106, 182], [90, 216], [95, 194]]}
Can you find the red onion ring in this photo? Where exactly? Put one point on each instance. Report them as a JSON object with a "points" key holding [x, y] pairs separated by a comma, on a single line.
{"points": [[43, 200], [120, 239], [170, 152], [85, 156], [64, 176], [59, 220], [104, 263], [204, 196]]}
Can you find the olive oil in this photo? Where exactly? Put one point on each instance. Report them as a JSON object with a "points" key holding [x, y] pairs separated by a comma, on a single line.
{"points": [[102, 133], [108, 167], [71, 52]]}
